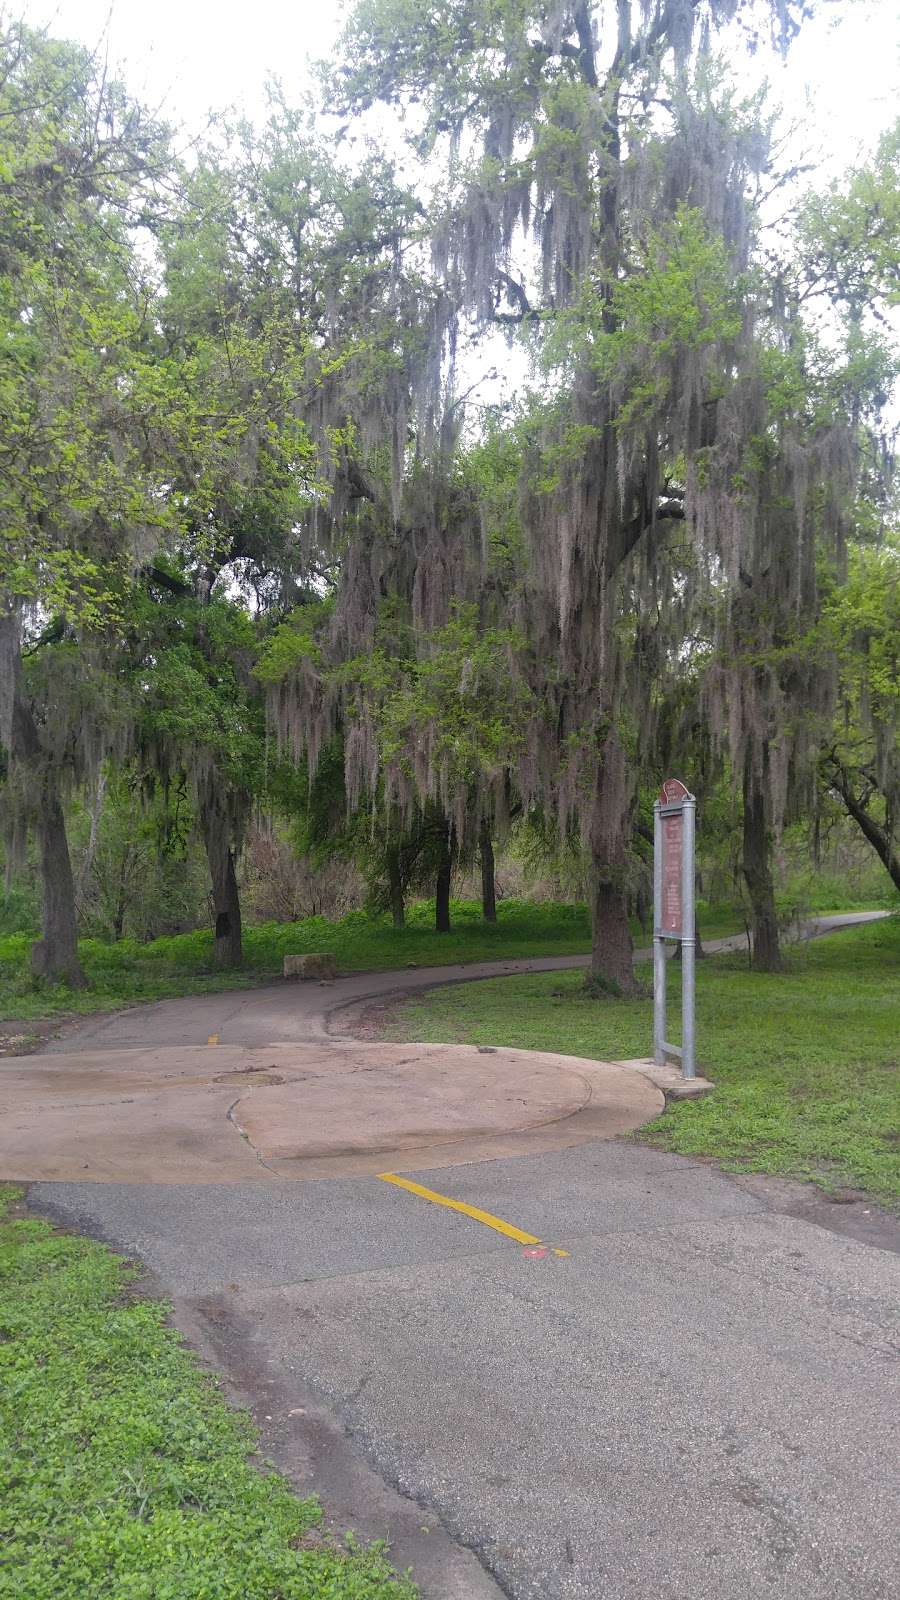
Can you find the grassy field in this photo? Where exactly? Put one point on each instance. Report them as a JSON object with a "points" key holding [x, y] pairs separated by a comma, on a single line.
{"points": [[806, 1065], [119, 974], [123, 1475]]}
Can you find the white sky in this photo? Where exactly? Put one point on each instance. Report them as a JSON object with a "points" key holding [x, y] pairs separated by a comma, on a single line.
{"points": [[840, 86], [191, 55]]}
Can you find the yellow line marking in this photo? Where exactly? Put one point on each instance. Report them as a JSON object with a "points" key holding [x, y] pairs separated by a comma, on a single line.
{"points": [[560, 1252], [486, 1217], [213, 1038]]}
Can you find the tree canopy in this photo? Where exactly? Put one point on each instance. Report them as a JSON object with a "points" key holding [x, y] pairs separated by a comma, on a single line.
{"points": [[265, 541]]}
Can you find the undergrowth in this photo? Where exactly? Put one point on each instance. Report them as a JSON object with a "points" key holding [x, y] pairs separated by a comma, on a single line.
{"points": [[119, 974]]}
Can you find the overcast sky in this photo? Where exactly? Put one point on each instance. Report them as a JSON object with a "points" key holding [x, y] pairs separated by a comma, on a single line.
{"points": [[841, 84], [191, 55]]}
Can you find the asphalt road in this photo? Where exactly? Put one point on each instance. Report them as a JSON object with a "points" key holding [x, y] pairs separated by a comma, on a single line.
{"points": [[686, 1390]]}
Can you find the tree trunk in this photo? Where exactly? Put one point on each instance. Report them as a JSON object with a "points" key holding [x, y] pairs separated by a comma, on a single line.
{"points": [[612, 950], [119, 908], [15, 844], [879, 838], [442, 888], [488, 883], [395, 887], [757, 867], [55, 956], [91, 851], [228, 951]]}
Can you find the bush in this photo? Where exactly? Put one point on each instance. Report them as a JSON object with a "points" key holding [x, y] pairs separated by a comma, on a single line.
{"points": [[19, 912]]}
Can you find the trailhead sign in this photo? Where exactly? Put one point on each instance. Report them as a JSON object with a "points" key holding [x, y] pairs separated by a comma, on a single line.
{"points": [[673, 915], [672, 835]]}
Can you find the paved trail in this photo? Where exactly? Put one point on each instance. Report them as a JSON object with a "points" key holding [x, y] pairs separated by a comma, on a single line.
{"points": [[309, 1013], [687, 1389]]}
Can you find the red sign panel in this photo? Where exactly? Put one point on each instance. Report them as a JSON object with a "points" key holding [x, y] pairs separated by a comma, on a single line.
{"points": [[672, 791], [672, 834]]}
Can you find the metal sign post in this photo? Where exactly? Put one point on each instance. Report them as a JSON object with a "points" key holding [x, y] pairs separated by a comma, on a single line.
{"points": [[673, 916]]}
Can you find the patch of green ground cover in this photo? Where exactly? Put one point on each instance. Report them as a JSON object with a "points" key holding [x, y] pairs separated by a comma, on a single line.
{"points": [[806, 1064], [117, 975], [120, 974], [816, 891], [123, 1474]]}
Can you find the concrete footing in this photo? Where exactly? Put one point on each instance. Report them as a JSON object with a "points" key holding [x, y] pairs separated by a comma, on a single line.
{"points": [[668, 1079]]}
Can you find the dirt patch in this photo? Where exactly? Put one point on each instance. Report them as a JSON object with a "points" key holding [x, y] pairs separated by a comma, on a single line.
{"points": [[375, 1021], [25, 1036], [849, 1212]]}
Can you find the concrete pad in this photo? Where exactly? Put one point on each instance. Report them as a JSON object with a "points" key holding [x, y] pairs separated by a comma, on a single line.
{"points": [[668, 1078], [401, 1099], [149, 1138], [213, 1113]]}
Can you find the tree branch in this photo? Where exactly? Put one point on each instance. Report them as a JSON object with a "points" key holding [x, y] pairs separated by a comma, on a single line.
{"points": [[586, 58], [515, 293], [667, 511], [871, 830], [167, 580]]}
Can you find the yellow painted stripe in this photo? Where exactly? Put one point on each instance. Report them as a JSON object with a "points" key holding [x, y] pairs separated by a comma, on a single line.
{"points": [[486, 1217], [213, 1038]]}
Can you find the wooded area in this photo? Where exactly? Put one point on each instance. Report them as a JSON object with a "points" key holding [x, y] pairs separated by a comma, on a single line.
{"points": [[274, 557]]}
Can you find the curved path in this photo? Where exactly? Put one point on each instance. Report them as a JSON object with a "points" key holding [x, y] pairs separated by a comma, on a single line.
{"points": [[213, 1088], [311, 1013], [589, 1368]]}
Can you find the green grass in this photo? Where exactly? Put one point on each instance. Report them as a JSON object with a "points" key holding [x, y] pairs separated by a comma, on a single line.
{"points": [[805, 1064], [120, 974], [123, 1475], [816, 890]]}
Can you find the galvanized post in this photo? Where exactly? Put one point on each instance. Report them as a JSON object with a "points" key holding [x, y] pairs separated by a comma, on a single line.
{"points": [[688, 941], [659, 945]]}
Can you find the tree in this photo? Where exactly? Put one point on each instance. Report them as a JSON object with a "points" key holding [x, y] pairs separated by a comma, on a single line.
{"points": [[850, 238], [850, 235], [608, 216], [394, 852], [348, 257], [432, 717], [199, 722], [813, 476], [78, 164], [137, 872], [242, 470], [153, 415], [860, 763]]}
